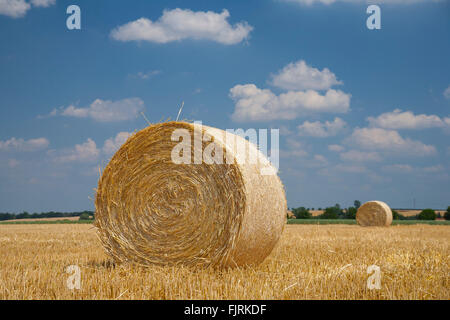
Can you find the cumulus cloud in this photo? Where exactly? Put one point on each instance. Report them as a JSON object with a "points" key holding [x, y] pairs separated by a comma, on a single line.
{"points": [[389, 141], [254, 104], [336, 148], [300, 76], [19, 8], [320, 160], [433, 169], [447, 93], [397, 168], [85, 152], [113, 144], [295, 149], [43, 3], [20, 144], [14, 8], [399, 119], [105, 110], [179, 24], [360, 156], [406, 168], [321, 130], [350, 168], [88, 151]]}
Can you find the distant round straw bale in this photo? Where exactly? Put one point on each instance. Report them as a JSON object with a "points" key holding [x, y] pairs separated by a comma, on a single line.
{"points": [[151, 210], [374, 213]]}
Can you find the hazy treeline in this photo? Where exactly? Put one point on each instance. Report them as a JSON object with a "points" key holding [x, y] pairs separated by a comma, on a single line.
{"points": [[51, 214], [336, 212]]}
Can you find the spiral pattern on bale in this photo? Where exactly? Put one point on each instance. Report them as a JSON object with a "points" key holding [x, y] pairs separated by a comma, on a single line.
{"points": [[150, 210], [374, 213]]}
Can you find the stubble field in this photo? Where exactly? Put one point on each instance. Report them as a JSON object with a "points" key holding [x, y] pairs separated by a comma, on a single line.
{"points": [[310, 262]]}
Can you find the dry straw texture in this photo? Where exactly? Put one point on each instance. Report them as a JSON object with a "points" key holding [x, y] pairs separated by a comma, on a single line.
{"points": [[374, 213], [309, 262], [150, 210]]}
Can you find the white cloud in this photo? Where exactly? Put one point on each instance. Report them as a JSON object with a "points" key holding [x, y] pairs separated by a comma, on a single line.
{"points": [[398, 168], [88, 151], [19, 8], [335, 148], [20, 144], [320, 159], [300, 76], [14, 8], [179, 24], [254, 104], [327, 2], [321, 130], [145, 75], [85, 152], [406, 168], [360, 156], [350, 168], [105, 110], [296, 149], [405, 120], [43, 3], [113, 144], [447, 93], [433, 169], [285, 131], [389, 141]]}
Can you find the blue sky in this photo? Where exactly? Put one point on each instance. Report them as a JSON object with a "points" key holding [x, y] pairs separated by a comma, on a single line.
{"points": [[364, 114]]}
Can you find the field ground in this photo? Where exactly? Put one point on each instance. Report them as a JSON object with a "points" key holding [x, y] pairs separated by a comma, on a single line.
{"points": [[47, 221], [352, 221], [309, 262]]}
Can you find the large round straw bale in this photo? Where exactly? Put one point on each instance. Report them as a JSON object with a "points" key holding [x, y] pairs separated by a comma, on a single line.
{"points": [[374, 213], [150, 210]]}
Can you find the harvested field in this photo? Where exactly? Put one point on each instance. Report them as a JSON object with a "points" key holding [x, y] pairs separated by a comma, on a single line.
{"points": [[309, 262], [44, 219]]}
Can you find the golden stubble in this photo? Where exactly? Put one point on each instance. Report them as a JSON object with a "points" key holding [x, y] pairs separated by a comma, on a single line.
{"points": [[309, 262]]}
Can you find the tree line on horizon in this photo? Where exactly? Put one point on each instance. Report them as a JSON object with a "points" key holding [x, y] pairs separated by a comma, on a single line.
{"points": [[43, 215], [336, 212]]}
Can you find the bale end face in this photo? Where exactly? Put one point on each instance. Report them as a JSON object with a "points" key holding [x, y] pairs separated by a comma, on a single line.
{"points": [[150, 210]]}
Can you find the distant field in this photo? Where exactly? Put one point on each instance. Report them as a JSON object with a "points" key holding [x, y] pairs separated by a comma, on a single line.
{"points": [[47, 221], [406, 213], [309, 262], [350, 222]]}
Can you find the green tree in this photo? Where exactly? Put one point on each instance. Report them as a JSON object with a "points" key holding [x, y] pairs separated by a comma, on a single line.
{"points": [[395, 215], [351, 213], [84, 216], [447, 214], [427, 214], [301, 213], [332, 212], [357, 204]]}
